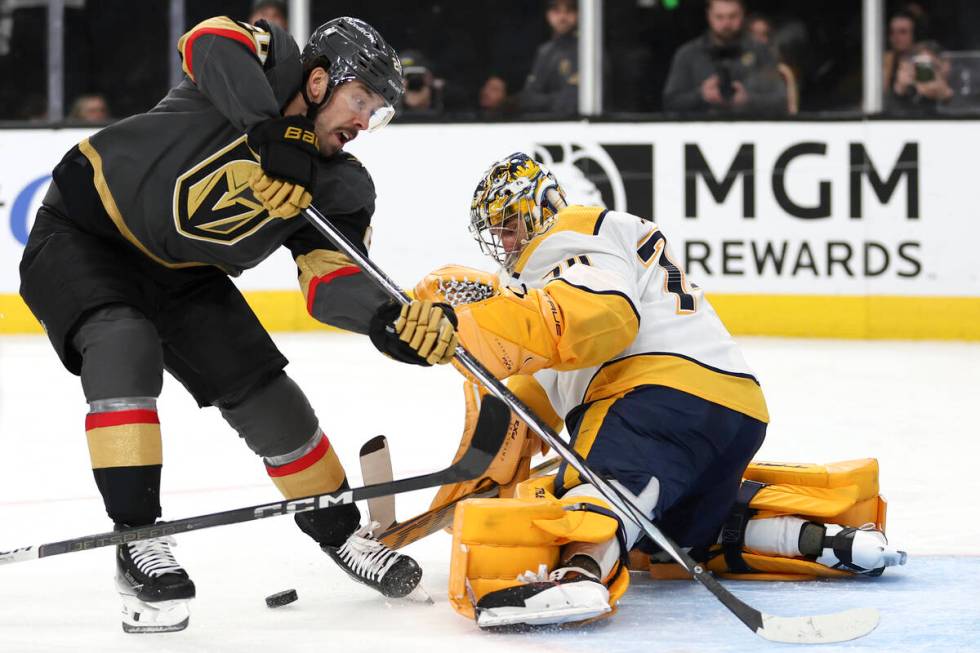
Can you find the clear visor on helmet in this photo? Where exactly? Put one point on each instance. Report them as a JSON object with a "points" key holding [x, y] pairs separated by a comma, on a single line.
{"points": [[369, 106]]}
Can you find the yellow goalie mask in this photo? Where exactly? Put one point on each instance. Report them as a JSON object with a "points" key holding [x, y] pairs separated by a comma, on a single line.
{"points": [[516, 199]]}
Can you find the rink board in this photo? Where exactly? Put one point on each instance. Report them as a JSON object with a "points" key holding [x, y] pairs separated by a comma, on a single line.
{"points": [[827, 229]]}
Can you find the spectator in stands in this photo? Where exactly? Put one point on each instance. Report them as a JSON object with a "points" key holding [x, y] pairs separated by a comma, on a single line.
{"points": [[760, 29], [493, 100], [723, 71], [423, 90], [90, 108], [921, 84], [552, 85], [901, 40], [273, 11]]}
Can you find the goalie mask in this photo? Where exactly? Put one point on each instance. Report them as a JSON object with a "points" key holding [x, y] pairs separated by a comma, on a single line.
{"points": [[516, 200]]}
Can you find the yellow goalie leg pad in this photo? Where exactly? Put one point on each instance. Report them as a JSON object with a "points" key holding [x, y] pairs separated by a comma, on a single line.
{"points": [[496, 540], [844, 493]]}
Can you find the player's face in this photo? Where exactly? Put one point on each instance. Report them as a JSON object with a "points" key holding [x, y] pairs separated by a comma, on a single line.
{"points": [[352, 107], [511, 233]]}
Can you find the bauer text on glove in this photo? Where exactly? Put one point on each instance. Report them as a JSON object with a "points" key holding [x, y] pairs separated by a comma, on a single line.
{"points": [[287, 149]]}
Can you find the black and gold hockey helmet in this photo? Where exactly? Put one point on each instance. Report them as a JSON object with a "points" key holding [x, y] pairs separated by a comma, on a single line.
{"points": [[349, 49]]}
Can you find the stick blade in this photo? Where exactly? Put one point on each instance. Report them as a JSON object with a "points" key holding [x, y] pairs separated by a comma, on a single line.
{"points": [[819, 629], [376, 469], [491, 429]]}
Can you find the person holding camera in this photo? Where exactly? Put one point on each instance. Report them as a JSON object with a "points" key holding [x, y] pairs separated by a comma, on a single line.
{"points": [[423, 90], [921, 82], [724, 71]]}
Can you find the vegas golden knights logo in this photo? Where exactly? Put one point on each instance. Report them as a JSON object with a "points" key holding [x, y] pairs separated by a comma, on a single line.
{"points": [[212, 200]]}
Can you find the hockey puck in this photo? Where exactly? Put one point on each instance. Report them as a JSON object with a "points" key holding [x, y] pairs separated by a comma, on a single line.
{"points": [[280, 599]]}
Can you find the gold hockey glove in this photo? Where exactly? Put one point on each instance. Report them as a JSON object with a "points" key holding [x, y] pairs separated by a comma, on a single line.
{"points": [[280, 198], [287, 149], [420, 333]]}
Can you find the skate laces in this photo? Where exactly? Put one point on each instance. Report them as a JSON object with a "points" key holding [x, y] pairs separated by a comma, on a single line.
{"points": [[154, 557], [542, 575], [366, 556], [463, 291]]}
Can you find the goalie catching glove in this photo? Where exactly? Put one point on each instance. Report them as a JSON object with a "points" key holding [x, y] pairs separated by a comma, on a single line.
{"points": [[420, 333], [287, 149]]}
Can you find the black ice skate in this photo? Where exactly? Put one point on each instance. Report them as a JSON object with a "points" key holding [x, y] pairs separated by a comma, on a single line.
{"points": [[155, 589], [566, 595], [368, 561]]}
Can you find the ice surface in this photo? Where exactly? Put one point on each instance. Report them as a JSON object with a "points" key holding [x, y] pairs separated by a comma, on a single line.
{"points": [[912, 405]]}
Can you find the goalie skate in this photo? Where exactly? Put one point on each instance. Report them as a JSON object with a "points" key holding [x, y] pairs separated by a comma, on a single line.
{"points": [[567, 595], [155, 590], [862, 550], [370, 562]]}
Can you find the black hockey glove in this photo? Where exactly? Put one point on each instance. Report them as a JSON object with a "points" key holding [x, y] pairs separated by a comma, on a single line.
{"points": [[420, 333], [287, 149]]}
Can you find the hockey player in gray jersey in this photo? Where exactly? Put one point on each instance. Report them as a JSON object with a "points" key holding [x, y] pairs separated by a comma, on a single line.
{"points": [[127, 268]]}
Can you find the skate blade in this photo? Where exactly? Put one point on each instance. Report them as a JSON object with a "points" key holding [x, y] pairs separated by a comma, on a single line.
{"points": [[140, 617], [417, 595], [491, 618]]}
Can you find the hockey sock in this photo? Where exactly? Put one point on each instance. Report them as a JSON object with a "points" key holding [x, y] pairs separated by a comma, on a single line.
{"points": [[781, 536], [126, 452], [315, 469]]}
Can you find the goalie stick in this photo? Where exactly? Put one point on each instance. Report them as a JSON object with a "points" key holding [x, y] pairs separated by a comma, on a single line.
{"points": [[816, 629], [401, 534], [491, 429]]}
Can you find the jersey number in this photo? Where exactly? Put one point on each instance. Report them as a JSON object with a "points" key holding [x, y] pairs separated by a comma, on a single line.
{"points": [[654, 248]]}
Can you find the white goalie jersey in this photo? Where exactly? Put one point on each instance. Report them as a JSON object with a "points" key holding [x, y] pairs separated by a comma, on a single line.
{"points": [[680, 343]]}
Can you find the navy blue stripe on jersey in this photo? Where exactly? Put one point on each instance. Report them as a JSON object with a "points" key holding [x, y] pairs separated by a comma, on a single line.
{"points": [[741, 375], [598, 222], [600, 292]]}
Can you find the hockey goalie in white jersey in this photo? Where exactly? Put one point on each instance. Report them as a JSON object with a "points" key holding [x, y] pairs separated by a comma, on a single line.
{"points": [[596, 328]]}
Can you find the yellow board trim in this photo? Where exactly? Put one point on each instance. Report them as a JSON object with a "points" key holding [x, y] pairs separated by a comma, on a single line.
{"points": [[797, 316], [874, 317]]}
